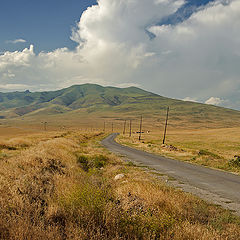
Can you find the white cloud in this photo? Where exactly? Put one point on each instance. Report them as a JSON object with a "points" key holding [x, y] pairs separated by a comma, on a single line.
{"points": [[214, 101], [8, 74], [199, 57], [189, 99], [9, 87], [19, 40], [16, 59]]}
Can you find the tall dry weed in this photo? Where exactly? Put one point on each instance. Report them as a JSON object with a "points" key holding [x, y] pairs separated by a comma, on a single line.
{"points": [[62, 187]]}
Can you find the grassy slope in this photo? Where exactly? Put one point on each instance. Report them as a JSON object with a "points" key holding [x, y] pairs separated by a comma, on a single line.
{"points": [[89, 106], [75, 96], [71, 194], [97, 102], [214, 148]]}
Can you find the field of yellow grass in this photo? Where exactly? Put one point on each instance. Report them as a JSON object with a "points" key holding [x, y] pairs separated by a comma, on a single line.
{"points": [[61, 185], [216, 148]]}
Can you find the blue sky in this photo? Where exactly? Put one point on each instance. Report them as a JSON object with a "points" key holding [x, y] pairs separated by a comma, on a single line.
{"points": [[47, 23], [185, 11], [192, 52]]}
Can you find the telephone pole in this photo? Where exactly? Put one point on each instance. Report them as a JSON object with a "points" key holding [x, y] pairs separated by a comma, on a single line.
{"points": [[112, 127], [166, 124], [140, 132], [45, 126], [124, 127], [130, 128], [104, 127]]}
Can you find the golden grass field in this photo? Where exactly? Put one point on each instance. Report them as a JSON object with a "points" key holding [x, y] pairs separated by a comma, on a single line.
{"points": [[209, 147], [204, 143], [59, 184]]}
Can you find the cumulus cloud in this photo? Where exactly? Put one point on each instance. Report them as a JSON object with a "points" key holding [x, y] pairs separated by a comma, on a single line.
{"points": [[189, 99], [120, 43], [9, 87], [214, 101], [19, 40], [16, 59]]}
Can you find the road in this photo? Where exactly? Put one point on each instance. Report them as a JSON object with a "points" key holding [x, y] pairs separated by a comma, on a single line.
{"points": [[217, 186]]}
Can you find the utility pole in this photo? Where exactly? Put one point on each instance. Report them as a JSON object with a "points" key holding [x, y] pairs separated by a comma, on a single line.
{"points": [[124, 127], [45, 126], [112, 127], [166, 124], [104, 127], [140, 132], [130, 128]]}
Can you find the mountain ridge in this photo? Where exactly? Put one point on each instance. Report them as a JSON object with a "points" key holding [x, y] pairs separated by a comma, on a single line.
{"points": [[102, 101], [65, 96]]}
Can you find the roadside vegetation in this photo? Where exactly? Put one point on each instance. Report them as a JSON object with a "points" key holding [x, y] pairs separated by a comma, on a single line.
{"points": [[63, 185], [215, 148]]}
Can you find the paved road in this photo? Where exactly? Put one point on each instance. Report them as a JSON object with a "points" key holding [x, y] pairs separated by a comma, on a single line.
{"points": [[222, 184]]}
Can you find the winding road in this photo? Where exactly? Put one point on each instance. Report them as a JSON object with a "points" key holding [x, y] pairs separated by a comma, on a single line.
{"points": [[213, 185]]}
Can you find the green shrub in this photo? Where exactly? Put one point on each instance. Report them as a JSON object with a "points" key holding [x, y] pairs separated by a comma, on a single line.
{"points": [[235, 162], [8, 147], [208, 154], [84, 162], [99, 161], [92, 162], [131, 164]]}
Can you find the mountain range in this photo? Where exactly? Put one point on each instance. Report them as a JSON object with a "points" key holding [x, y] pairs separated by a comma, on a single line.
{"points": [[96, 99]]}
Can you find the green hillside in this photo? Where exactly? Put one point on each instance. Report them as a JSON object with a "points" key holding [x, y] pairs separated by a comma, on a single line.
{"points": [[112, 102], [73, 97]]}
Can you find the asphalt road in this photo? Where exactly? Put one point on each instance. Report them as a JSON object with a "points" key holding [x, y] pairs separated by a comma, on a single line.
{"points": [[223, 184]]}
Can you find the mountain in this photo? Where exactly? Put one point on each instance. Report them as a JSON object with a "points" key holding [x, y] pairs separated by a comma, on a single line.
{"points": [[74, 97], [111, 102]]}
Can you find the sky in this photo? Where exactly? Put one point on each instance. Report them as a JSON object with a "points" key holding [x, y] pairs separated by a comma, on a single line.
{"points": [[177, 48], [46, 24]]}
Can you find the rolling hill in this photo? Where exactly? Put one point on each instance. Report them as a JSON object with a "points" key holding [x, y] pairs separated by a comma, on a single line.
{"points": [[112, 102], [74, 97]]}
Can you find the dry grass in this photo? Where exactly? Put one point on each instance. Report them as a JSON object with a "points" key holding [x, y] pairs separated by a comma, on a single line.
{"points": [[209, 147], [170, 213], [60, 185], [8, 131]]}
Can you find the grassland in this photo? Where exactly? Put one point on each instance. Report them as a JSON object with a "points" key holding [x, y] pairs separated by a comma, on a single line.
{"points": [[61, 185], [207, 142], [215, 148], [96, 104]]}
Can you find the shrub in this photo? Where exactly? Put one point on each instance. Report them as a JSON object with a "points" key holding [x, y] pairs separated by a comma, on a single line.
{"points": [[208, 154], [99, 161], [131, 164], [84, 162], [235, 162], [91, 162]]}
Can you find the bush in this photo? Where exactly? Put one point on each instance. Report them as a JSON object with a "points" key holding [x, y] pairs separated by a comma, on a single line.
{"points": [[99, 161], [131, 164], [208, 154], [235, 162], [84, 162], [91, 162]]}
